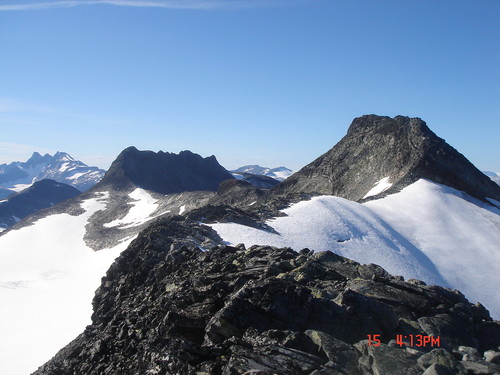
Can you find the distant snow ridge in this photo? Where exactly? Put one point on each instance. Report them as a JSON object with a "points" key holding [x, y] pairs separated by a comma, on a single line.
{"points": [[427, 231], [60, 167], [279, 173]]}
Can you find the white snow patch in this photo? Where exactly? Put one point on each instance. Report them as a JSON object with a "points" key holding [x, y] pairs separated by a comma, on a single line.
{"points": [[16, 219], [281, 174], [251, 204], [76, 176], [379, 187], [19, 187], [140, 212], [238, 176], [64, 166], [182, 209], [460, 236], [48, 277]]}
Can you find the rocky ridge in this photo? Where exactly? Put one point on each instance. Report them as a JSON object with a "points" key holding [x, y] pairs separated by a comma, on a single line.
{"points": [[169, 306]]}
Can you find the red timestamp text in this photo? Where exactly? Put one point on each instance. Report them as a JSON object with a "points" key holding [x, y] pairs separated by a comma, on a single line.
{"points": [[408, 340]]}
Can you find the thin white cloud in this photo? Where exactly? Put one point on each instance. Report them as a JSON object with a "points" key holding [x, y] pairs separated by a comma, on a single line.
{"points": [[167, 4]]}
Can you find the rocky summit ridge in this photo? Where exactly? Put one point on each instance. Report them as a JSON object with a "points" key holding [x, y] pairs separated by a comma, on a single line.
{"points": [[400, 150], [170, 306]]}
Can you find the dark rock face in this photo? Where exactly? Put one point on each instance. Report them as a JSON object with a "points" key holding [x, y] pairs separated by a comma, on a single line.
{"points": [[164, 172], [40, 195], [401, 148], [166, 306]]}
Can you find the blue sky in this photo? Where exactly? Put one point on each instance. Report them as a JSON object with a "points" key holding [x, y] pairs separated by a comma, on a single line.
{"points": [[265, 82]]}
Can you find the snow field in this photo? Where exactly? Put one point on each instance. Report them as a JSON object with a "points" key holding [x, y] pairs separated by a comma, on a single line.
{"points": [[48, 277]]}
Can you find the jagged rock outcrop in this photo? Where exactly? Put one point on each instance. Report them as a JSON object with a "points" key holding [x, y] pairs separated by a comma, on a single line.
{"points": [[401, 149], [164, 172], [40, 195], [168, 306]]}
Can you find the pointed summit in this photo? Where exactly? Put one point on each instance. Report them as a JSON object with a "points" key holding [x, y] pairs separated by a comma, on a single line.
{"points": [[379, 155], [164, 172]]}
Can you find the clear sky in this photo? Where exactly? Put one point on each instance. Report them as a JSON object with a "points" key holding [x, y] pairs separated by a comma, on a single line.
{"points": [[269, 82]]}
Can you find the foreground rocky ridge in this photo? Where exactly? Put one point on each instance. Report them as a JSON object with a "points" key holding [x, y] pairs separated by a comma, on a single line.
{"points": [[168, 306]]}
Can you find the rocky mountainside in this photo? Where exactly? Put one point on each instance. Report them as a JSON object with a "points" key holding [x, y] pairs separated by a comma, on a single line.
{"points": [[40, 195], [60, 167], [164, 172], [169, 306], [382, 155]]}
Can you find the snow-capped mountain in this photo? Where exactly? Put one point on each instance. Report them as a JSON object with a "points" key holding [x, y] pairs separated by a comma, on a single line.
{"points": [[60, 167], [279, 173], [52, 261], [40, 195]]}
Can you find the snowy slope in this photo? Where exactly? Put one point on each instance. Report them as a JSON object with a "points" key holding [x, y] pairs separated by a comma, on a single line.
{"points": [[48, 277], [427, 231], [460, 234]]}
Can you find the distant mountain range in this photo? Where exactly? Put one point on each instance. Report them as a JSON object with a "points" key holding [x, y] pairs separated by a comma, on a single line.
{"points": [[279, 173], [60, 167]]}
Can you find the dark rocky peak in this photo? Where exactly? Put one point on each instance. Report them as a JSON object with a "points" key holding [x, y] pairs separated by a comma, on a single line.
{"points": [[164, 172], [391, 153]]}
